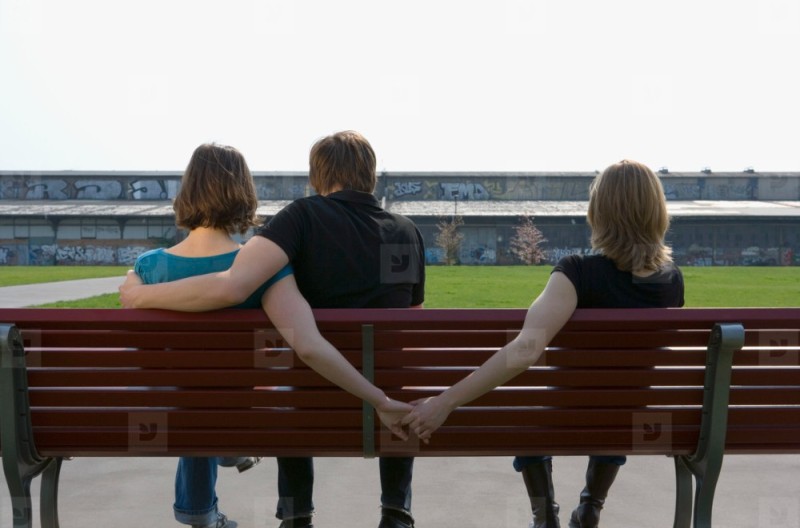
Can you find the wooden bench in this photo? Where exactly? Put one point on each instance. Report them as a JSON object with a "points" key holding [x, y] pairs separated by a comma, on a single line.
{"points": [[155, 383]]}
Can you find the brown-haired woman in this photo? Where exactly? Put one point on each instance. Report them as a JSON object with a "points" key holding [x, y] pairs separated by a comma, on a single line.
{"points": [[216, 199], [630, 268]]}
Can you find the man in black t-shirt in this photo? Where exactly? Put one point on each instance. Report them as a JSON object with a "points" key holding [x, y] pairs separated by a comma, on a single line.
{"points": [[348, 252]]}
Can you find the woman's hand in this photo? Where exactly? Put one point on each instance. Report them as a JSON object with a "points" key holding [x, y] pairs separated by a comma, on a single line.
{"points": [[391, 412], [426, 417]]}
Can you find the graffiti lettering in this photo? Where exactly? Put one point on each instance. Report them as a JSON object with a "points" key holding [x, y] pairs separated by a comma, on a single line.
{"points": [[683, 191], [85, 255], [127, 254], [97, 190], [463, 191], [553, 255], [478, 254], [406, 188], [152, 189], [44, 254]]}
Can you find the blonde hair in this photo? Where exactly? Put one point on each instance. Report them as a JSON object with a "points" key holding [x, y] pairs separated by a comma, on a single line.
{"points": [[628, 217], [344, 159], [217, 191]]}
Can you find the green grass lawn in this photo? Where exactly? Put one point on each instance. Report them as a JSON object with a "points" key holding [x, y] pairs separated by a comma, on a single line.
{"points": [[517, 286], [16, 275]]}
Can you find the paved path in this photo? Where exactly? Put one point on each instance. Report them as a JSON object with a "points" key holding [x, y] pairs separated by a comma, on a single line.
{"points": [[35, 294], [754, 492], [484, 492]]}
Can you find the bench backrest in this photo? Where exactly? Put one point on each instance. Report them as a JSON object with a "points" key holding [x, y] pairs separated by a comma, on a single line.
{"points": [[128, 382]]}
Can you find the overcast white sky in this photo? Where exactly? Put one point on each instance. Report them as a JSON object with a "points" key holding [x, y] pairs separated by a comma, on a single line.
{"points": [[435, 85]]}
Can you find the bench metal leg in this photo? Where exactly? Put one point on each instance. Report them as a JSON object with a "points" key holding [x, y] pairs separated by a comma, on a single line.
{"points": [[705, 463], [21, 462], [683, 494], [21, 502], [48, 507], [704, 497], [706, 474]]}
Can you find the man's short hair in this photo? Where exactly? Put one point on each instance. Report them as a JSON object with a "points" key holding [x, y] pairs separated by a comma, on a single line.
{"points": [[344, 159]]}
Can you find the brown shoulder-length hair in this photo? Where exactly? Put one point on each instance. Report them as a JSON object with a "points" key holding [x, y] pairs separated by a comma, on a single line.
{"points": [[217, 191], [628, 217], [344, 159]]}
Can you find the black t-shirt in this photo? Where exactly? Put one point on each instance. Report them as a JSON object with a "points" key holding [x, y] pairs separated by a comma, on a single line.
{"points": [[348, 252], [599, 284]]}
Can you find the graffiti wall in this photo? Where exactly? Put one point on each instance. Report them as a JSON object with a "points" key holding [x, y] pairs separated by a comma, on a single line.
{"points": [[70, 253], [132, 187], [408, 186], [711, 188], [488, 188], [576, 188]]}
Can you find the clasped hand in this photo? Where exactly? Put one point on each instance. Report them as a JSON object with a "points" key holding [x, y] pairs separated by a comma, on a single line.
{"points": [[420, 417]]}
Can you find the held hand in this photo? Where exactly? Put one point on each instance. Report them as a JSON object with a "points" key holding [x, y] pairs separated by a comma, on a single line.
{"points": [[427, 416], [391, 413], [128, 288]]}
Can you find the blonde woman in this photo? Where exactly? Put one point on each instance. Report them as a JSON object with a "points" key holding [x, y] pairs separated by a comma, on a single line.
{"points": [[631, 268]]}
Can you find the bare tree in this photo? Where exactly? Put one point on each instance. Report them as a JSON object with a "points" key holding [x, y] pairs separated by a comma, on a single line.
{"points": [[450, 239], [526, 241]]}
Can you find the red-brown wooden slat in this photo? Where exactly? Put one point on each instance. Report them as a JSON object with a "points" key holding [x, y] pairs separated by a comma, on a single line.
{"points": [[764, 396], [206, 419], [131, 438], [562, 357], [178, 378], [741, 376], [149, 358], [584, 319], [192, 398], [572, 397], [549, 377], [109, 358]]}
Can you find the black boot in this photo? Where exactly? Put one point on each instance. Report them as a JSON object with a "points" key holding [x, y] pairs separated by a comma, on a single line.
{"points": [[599, 478], [395, 519], [539, 483]]}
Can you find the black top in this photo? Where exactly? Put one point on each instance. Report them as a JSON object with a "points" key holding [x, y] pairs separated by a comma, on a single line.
{"points": [[348, 252], [600, 284]]}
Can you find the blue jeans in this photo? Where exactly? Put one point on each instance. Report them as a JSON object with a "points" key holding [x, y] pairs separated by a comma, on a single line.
{"points": [[296, 485], [521, 461], [195, 495]]}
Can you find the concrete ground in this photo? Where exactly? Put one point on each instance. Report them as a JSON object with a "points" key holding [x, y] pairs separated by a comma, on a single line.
{"points": [[753, 491], [35, 294]]}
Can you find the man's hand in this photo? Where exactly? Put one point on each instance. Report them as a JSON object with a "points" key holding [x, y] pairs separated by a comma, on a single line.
{"points": [[127, 291], [426, 417], [391, 412]]}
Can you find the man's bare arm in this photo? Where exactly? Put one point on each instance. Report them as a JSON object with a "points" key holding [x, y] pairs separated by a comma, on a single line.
{"points": [[291, 315], [257, 261]]}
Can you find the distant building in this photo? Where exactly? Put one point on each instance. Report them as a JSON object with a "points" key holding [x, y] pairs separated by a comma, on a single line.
{"points": [[80, 217]]}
